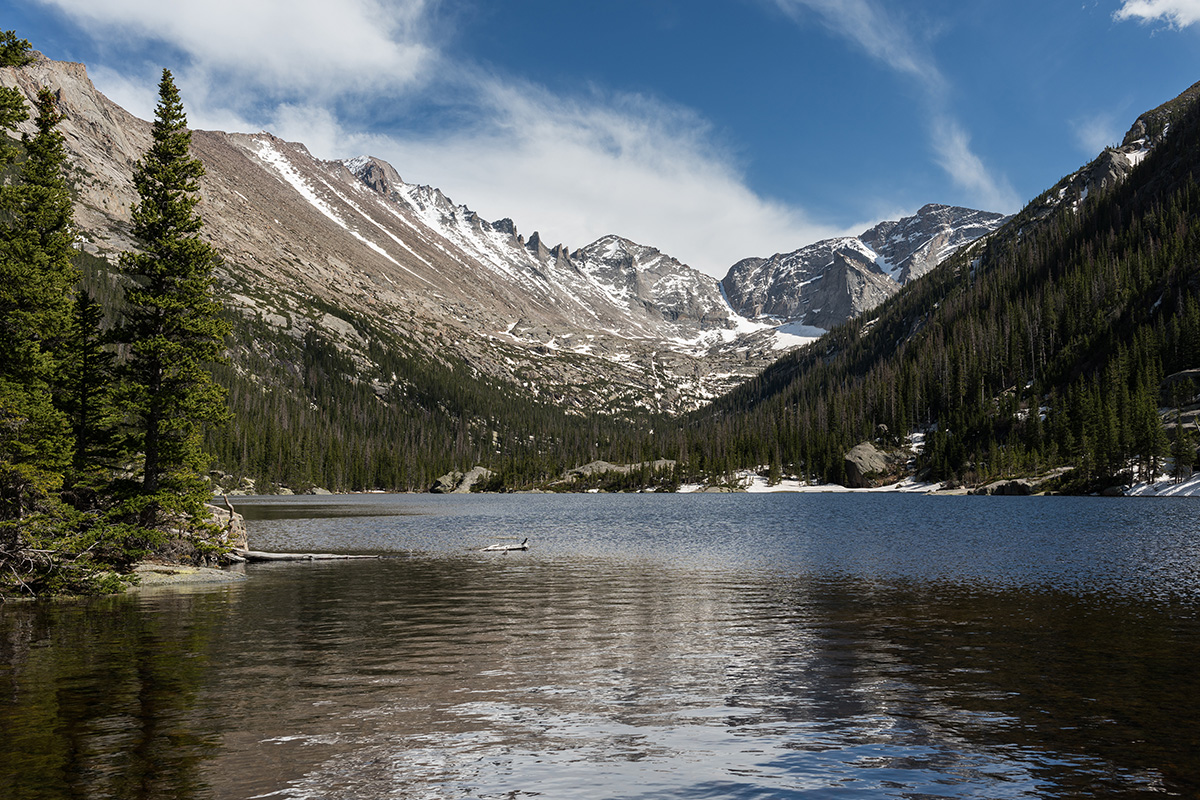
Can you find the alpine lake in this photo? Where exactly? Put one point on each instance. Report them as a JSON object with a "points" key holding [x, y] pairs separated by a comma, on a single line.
{"points": [[644, 646]]}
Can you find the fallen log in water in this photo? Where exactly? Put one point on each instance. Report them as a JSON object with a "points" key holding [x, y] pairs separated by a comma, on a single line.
{"points": [[504, 548], [259, 555]]}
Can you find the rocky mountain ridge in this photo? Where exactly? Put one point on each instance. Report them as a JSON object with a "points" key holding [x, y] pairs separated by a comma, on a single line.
{"points": [[343, 248], [1114, 164], [830, 281]]}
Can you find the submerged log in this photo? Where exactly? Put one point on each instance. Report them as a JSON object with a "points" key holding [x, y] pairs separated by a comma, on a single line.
{"points": [[259, 555]]}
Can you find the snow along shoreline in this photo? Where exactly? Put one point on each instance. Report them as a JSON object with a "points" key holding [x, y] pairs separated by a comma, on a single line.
{"points": [[753, 483]]}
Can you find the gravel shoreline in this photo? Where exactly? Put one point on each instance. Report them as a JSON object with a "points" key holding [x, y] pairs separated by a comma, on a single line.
{"points": [[179, 575]]}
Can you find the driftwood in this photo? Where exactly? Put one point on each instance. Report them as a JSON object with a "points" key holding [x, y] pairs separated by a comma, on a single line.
{"points": [[504, 548], [259, 555]]}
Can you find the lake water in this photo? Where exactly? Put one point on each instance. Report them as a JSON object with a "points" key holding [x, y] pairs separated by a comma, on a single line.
{"points": [[646, 646]]}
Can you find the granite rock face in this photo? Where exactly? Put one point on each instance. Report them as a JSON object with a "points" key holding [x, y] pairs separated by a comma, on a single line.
{"points": [[831, 281]]}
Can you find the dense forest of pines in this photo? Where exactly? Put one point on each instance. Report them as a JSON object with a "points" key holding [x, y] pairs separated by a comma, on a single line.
{"points": [[1045, 346]]}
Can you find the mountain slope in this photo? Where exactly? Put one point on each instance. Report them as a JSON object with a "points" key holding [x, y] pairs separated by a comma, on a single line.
{"points": [[613, 326], [353, 291], [296, 230], [1046, 344]]}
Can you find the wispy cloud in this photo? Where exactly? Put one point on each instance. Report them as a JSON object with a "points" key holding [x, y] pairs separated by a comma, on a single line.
{"points": [[1178, 13], [1096, 132], [952, 145], [879, 32], [887, 37]]}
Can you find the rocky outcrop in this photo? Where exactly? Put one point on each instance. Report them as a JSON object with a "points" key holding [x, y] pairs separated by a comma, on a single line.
{"points": [[867, 466], [377, 174], [460, 482], [601, 467], [912, 246], [653, 285], [1114, 164], [232, 525], [1014, 488]]}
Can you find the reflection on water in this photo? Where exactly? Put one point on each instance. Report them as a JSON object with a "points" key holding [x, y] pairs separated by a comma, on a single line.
{"points": [[619, 659]]}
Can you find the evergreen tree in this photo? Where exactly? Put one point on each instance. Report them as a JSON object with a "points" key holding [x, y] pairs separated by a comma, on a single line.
{"points": [[171, 324], [46, 547], [86, 396], [36, 277]]}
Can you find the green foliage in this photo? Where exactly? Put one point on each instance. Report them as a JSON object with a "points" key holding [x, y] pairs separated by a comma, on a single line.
{"points": [[58, 383], [36, 274], [62, 551], [171, 325], [306, 413], [14, 52], [87, 388]]}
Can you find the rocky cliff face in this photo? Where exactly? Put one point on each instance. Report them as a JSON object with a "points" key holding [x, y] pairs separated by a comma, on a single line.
{"points": [[911, 247], [831, 281]]}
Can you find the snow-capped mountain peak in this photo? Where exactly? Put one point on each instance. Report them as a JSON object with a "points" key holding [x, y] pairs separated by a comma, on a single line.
{"points": [[828, 282]]}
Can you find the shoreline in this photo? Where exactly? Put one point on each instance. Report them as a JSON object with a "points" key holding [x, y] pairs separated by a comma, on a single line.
{"points": [[158, 575]]}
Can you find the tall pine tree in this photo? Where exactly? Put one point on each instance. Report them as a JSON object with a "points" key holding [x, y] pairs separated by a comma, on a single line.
{"points": [[86, 396], [171, 324], [36, 278]]}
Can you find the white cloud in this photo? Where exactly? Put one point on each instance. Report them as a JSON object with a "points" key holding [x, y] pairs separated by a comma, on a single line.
{"points": [[1179, 13], [1095, 133], [315, 46], [138, 97], [877, 31]]}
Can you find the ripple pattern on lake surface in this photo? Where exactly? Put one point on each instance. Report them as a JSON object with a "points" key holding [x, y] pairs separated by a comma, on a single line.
{"points": [[647, 647]]}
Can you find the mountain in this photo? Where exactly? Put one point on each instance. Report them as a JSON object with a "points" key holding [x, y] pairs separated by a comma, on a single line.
{"points": [[310, 243], [1067, 339], [366, 308], [313, 245], [831, 281]]}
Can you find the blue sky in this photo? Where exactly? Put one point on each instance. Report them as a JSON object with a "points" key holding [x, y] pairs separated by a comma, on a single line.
{"points": [[711, 129]]}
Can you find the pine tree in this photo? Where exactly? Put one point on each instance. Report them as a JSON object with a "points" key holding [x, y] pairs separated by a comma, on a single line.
{"points": [[12, 482], [171, 323], [36, 277], [86, 396]]}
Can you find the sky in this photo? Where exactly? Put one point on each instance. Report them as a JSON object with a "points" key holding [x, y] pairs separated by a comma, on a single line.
{"points": [[714, 130]]}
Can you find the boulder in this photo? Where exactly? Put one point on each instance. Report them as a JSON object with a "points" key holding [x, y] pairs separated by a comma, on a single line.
{"points": [[447, 483], [865, 464], [1014, 488], [460, 483]]}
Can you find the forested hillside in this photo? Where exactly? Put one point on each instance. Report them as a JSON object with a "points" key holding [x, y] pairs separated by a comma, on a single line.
{"points": [[1046, 346], [307, 412]]}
